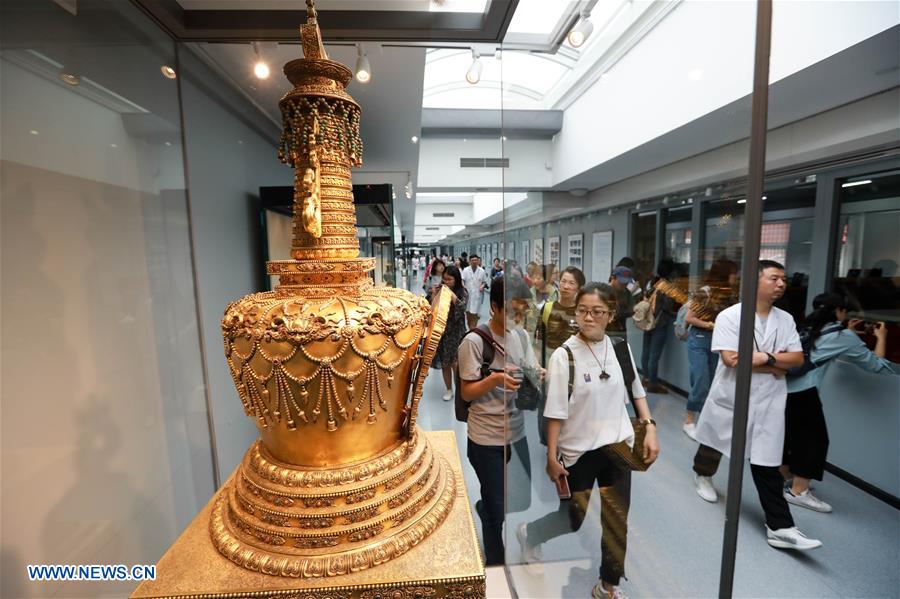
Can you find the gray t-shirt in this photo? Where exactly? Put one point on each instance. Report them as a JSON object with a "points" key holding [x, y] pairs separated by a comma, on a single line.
{"points": [[493, 418]]}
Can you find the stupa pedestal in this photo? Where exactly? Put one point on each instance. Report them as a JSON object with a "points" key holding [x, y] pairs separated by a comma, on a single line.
{"points": [[445, 564]]}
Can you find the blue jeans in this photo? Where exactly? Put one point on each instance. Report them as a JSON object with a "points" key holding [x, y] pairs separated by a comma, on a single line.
{"points": [[703, 364], [654, 342], [489, 463]]}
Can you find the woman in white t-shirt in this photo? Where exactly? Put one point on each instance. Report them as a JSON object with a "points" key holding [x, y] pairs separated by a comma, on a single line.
{"points": [[578, 429]]}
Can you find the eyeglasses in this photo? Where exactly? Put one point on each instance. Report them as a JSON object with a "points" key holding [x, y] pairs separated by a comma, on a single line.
{"points": [[594, 312]]}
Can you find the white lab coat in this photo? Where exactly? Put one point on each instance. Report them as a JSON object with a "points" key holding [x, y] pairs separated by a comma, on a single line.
{"points": [[473, 282], [768, 394]]}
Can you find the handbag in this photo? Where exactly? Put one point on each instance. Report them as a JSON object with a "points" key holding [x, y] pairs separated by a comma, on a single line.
{"points": [[528, 397], [625, 457], [645, 314], [630, 458]]}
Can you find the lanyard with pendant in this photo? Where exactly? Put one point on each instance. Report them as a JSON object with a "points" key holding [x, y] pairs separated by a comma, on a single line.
{"points": [[603, 374]]}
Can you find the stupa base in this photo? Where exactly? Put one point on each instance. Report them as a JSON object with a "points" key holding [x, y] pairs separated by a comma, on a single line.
{"points": [[447, 563]]}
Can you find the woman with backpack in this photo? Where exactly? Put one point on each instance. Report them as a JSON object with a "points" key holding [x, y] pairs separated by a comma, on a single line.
{"points": [[454, 331], [586, 413], [557, 322], [824, 338]]}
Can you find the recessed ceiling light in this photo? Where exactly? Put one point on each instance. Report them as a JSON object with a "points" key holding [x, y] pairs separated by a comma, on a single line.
{"points": [[113, 146], [70, 78], [168, 143], [261, 70], [240, 142], [742, 201], [414, 139], [34, 132], [168, 72]]}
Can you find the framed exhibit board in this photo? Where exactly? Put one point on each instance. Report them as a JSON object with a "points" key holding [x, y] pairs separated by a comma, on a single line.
{"points": [[537, 250], [601, 256], [576, 248], [554, 251]]}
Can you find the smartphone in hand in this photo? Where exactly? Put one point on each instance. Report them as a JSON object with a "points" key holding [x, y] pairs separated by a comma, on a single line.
{"points": [[562, 487]]}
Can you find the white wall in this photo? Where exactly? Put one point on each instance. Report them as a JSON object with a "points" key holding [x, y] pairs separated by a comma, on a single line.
{"points": [[228, 160], [698, 59], [529, 160]]}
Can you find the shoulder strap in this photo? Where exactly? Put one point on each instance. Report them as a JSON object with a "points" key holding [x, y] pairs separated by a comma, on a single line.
{"points": [[620, 347], [545, 313], [485, 334], [571, 369]]}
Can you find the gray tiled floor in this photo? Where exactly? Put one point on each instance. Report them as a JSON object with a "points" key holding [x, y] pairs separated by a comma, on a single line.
{"points": [[675, 538]]}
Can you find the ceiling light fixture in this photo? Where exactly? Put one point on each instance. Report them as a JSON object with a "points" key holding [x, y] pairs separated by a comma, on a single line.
{"points": [[70, 78], [473, 75], [260, 69], [855, 183], [581, 31], [414, 139], [742, 201], [168, 72], [363, 68]]}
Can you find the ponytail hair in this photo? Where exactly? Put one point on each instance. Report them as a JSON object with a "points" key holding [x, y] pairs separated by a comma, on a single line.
{"points": [[825, 306]]}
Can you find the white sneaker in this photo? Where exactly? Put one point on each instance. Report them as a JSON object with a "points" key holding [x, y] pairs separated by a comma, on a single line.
{"points": [[448, 395], [705, 488], [598, 592], [530, 553], [806, 499], [690, 429], [790, 538]]}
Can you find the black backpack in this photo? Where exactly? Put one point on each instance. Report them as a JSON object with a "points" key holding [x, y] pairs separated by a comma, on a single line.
{"points": [[807, 344], [487, 357], [623, 356]]}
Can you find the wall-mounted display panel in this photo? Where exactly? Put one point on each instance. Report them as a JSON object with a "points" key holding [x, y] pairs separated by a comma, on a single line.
{"points": [[601, 255], [576, 248], [554, 251]]}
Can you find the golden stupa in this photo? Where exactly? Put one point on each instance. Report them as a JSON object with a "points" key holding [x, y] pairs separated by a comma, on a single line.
{"points": [[339, 480], [341, 487]]}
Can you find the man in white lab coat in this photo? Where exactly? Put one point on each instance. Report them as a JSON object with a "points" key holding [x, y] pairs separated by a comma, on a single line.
{"points": [[475, 280], [776, 347]]}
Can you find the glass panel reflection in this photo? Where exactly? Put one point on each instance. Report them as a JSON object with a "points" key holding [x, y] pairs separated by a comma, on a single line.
{"points": [[106, 444]]}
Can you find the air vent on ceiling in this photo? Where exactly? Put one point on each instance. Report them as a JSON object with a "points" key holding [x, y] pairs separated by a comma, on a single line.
{"points": [[484, 162], [443, 214], [432, 228]]}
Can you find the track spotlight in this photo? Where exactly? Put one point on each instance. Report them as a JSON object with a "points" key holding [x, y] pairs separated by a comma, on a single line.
{"points": [[260, 69], [168, 72], [363, 68], [473, 75], [581, 31]]}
